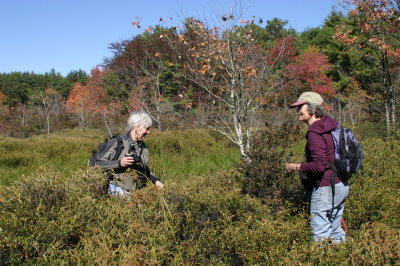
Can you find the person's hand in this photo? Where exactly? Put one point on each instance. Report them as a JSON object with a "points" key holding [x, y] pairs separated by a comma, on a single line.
{"points": [[127, 161], [159, 184], [292, 167]]}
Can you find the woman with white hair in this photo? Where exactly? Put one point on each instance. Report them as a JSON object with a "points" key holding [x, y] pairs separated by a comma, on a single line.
{"points": [[125, 159]]}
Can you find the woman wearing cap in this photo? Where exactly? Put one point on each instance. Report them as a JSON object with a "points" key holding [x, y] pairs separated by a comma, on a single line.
{"points": [[326, 210]]}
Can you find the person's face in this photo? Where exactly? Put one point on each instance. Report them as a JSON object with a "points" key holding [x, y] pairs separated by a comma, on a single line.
{"points": [[140, 132], [303, 115]]}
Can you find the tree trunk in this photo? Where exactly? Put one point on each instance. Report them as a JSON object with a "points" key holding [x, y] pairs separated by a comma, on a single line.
{"points": [[82, 119], [389, 95], [158, 113], [387, 116], [107, 124], [393, 107], [48, 123]]}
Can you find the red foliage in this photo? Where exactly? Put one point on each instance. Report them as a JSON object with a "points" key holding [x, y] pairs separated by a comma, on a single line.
{"points": [[283, 50], [310, 73]]}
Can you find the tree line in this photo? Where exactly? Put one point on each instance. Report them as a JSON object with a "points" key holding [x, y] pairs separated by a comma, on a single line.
{"points": [[224, 77]]}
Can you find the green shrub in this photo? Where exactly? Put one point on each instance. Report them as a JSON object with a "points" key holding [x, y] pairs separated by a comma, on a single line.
{"points": [[374, 192], [265, 175]]}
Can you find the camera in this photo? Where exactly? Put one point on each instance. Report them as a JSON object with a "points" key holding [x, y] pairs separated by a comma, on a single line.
{"points": [[134, 156]]}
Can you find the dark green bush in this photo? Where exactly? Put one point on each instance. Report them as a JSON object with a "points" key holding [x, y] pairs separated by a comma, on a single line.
{"points": [[265, 175]]}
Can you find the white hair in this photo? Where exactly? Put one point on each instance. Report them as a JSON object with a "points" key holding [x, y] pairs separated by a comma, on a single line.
{"points": [[140, 119]]}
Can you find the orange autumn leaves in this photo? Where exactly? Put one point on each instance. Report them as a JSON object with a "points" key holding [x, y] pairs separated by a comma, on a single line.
{"points": [[379, 23], [249, 71], [92, 97]]}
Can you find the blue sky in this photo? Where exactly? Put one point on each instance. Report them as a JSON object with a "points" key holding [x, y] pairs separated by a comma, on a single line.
{"points": [[38, 35]]}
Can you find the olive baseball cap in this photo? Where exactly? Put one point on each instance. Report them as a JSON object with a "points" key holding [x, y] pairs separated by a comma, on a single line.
{"points": [[308, 97]]}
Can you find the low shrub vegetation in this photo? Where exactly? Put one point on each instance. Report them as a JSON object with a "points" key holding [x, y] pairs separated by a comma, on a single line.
{"points": [[63, 216]]}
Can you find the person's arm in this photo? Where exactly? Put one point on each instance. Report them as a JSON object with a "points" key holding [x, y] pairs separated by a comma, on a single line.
{"points": [[155, 180], [145, 157], [317, 148]]}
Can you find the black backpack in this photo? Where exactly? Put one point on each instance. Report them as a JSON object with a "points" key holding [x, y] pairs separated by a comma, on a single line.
{"points": [[103, 146]]}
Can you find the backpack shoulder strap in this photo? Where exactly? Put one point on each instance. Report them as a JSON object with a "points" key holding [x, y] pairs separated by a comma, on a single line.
{"points": [[342, 144], [120, 147]]}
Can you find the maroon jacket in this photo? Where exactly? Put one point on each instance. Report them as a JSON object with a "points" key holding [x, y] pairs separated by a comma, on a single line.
{"points": [[319, 150]]}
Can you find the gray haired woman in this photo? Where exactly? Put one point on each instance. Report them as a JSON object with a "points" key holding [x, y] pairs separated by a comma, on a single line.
{"points": [[129, 171]]}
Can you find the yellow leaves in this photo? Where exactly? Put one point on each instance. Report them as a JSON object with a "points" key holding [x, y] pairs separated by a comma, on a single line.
{"points": [[181, 38]]}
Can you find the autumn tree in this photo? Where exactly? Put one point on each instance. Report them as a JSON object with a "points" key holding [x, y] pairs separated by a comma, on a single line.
{"points": [[231, 69], [4, 115], [50, 102], [80, 103], [376, 32], [309, 72], [104, 99], [24, 113], [144, 66]]}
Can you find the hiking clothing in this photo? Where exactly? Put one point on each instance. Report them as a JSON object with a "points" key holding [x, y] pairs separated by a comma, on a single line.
{"points": [[115, 190], [124, 177], [320, 152], [326, 208], [326, 222]]}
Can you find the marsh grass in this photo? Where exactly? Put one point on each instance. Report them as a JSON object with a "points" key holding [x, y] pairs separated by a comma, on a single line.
{"points": [[173, 154]]}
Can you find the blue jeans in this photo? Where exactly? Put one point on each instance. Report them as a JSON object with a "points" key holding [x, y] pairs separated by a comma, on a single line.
{"points": [[115, 190], [326, 222]]}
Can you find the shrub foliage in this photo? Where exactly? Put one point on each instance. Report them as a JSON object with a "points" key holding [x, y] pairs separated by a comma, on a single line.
{"points": [[265, 174], [49, 217]]}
